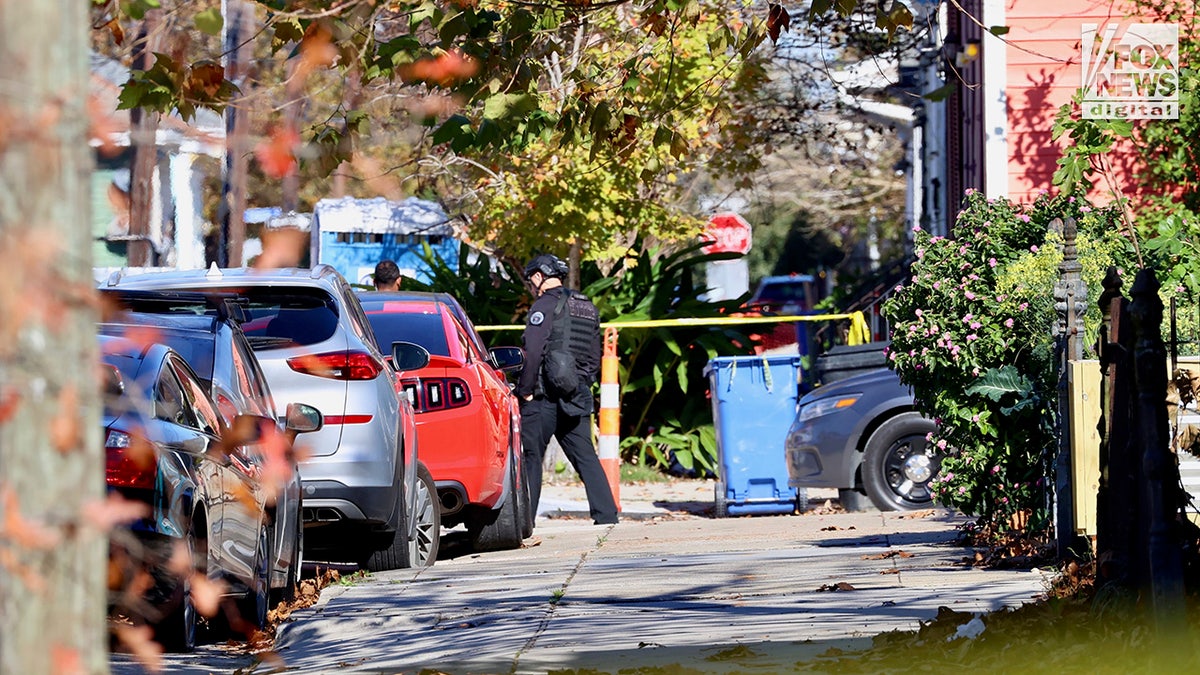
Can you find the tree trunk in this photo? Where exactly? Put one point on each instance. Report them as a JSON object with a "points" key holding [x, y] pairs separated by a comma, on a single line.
{"points": [[143, 133], [52, 566]]}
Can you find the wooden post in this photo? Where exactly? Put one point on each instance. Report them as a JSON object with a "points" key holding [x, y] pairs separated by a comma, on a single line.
{"points": [[1162, 498], [52, 579], [1070, 301]]}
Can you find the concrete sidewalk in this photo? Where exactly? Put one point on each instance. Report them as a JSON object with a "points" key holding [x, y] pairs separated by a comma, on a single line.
{"points": [[667, 587]]}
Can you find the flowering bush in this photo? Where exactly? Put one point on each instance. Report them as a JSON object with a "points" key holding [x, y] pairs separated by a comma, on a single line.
{"points": [[973, 336]]}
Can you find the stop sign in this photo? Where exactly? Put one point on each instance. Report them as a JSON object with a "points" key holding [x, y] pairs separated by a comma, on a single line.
{"points": [[728, 233]]}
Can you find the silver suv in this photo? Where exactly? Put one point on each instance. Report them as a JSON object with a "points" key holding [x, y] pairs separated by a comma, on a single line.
{"points": [[362, 501]]}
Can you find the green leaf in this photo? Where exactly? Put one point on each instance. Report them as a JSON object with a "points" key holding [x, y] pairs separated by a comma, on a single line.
{"points": [[451, 129], [999, 30], [210, 21], [999, 382]]}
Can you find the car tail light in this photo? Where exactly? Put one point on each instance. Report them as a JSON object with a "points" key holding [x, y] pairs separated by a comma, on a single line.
{"points": [[437, 393], [129, 463], [338, 365]]}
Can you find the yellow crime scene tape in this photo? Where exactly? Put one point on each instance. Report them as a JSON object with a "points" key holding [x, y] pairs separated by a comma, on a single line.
{"points": [[859, 332]]}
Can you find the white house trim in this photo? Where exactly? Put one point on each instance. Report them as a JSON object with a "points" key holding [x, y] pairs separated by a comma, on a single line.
{"points": [[995, 102]]}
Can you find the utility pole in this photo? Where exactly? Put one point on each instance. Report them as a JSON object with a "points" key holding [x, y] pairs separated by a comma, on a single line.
{"points": [[143, 134], [52, 574], [232, 206]]}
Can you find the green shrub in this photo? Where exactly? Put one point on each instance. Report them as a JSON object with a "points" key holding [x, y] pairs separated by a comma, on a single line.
{"points": [[973, 336]]}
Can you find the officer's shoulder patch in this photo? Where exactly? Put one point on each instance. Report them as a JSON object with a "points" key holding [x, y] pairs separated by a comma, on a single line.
{"points": [[536, 319]]}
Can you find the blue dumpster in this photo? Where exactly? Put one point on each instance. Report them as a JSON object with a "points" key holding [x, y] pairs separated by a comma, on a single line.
{"points": [[754, 403]]}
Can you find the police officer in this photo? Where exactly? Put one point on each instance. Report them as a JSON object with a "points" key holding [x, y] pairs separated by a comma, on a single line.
{"points": [[561, 321]]}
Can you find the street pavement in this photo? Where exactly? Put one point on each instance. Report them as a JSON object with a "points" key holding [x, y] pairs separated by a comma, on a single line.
{"points": [[669, 587]]}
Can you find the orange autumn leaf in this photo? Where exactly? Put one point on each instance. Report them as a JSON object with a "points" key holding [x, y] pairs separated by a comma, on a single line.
{"points": [[276, 154], [65, 434], [316, 50], [206, 594], [66, 661], [139, 640], [10, 400], [282, 248], [112, 511], [443, 69], [23, 531]]}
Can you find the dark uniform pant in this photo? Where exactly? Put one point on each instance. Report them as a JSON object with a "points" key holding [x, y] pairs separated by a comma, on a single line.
{"points": [[541, 419]]}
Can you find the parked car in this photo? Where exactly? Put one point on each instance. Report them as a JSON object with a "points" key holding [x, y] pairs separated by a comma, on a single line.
{"points": [[468, 419], [864, 436], [205, 331], [785, 294], [367, 499], [163, 446]]}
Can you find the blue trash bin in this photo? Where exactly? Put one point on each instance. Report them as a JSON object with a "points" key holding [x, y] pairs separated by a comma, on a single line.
{"points": [[754, 403]]}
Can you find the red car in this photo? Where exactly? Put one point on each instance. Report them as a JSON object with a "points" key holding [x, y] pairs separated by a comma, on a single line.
{"points": [[468, 420]]}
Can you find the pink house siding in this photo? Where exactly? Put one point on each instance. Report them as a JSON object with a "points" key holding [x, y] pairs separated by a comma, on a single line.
{"points": [[1044, 71]]}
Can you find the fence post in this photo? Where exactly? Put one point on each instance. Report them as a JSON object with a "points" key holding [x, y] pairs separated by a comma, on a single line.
{"points": [[1070, 301], [1117, 503], [1162, 499], [609, 447]]}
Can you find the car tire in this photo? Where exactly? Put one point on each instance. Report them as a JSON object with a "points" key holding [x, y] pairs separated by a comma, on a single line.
{"points": [[898, 466], [499, 529], [854, 500], [253, 607], [177, 629], [423, 549], [291, 586], [801, 500], [395, 555]]}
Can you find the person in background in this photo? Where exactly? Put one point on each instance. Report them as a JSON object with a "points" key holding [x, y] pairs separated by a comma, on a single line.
{"points": [[562, 362], [387, 276]]}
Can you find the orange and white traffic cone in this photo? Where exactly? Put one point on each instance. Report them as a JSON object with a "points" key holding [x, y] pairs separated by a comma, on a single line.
{"points": [[609, 446]]}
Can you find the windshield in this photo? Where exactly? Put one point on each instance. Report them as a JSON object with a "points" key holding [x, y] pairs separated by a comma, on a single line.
{"points": [[426, 330]]}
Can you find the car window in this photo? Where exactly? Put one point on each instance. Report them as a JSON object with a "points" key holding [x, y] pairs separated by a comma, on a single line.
{"points": [[196, 349], [170, 403], [204, 414], [251, 380], [426, 330], [281, 317]]}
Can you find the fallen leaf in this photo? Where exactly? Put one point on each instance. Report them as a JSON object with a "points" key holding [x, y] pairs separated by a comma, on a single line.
{"points": [[206, 594]]}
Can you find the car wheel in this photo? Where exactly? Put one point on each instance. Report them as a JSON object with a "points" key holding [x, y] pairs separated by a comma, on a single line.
{"points": [[176, 630], [854, 500], [801, 500], [291, 583], [722, 502], [499, 529], [900, 463], [395, 555], [423, 549], [254, 606]]}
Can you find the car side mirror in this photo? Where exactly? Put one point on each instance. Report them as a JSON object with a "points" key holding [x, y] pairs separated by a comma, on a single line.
{"points": [[303, 418], [409, 356], [508, 359]]}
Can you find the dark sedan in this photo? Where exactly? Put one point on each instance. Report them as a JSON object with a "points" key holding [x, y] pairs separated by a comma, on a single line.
{"points": [[863, 436], [163, 447]]}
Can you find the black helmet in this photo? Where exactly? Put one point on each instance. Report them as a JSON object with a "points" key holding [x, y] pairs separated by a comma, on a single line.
{"points": [[548, 265]]}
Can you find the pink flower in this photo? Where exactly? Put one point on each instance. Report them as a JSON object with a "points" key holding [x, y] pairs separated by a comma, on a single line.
{"points": [[941, 444], [920, 312], [1008, 323], [1023, 306], [972, 337], [996, 469], [1024, 218], [962, 489], [937, 285], [967, 318], [975, 419], [970, 295], [969, 191], [975, 325], [1085, 209], [992, 262], [916, 228], [1033, 249]]}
